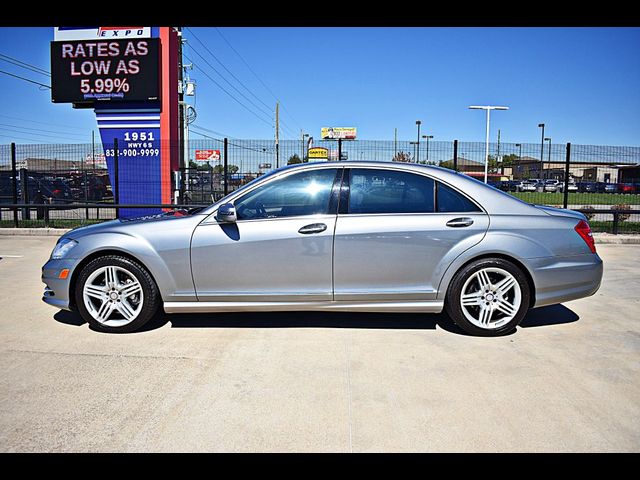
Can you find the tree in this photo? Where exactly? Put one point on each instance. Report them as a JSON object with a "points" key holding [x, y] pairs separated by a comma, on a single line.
{"points": [[508, 160], [294, 159], [219, 168], [401, 156]]}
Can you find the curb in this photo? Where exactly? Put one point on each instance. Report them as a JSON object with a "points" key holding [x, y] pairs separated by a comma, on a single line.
{"points": [[609, 238], [34, 232]]}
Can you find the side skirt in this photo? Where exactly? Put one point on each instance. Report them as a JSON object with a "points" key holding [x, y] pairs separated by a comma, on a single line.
{"points": [[431, 306]]}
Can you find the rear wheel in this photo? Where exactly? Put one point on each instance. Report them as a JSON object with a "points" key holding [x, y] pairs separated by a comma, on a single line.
{"points": [[116, 294], [488, 297]]}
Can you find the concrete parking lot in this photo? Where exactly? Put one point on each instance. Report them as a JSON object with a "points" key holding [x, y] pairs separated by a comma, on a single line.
{"points": [[567, 380]]}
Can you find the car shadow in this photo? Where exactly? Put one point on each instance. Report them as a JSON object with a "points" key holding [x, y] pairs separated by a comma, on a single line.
{"points": [[539, 317]]}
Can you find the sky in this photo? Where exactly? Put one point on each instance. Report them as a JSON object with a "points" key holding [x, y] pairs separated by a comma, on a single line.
{"points": [[583, 83]]}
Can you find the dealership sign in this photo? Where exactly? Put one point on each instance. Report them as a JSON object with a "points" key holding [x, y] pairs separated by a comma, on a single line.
{"points": [[318, 153], [335, 133], [92, 33], [207, 155], [105, 70]]}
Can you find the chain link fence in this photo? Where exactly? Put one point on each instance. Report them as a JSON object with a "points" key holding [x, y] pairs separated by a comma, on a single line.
{"points": [[51, 181]]}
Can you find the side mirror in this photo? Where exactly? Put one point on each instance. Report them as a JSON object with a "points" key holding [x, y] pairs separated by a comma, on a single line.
{"points": [[226, 213]]}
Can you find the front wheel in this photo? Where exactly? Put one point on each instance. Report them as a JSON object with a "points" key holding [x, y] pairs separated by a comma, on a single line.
{"points": [[116, 294], [488, 297]]}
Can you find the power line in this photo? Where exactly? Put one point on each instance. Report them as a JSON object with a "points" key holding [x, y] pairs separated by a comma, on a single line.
{"points": [[39, 134], [223, 66], [27, 139], [225, 91], [25, 79], [256, 75], [35, 121], [25, 65], [267, 112], [41, 130], [212, 131]]}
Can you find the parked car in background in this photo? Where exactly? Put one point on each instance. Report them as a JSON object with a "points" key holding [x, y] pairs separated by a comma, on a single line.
{"points": [[551, 186], [333, 236], [514, 185], [591, 187], [611, 188], [629, 187], [528, 185]]}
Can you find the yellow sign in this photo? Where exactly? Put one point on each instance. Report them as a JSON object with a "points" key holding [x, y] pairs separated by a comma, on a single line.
{"points": [[318, 152], [334, 133]]}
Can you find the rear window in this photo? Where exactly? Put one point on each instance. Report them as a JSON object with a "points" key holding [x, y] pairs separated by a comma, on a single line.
{"points": [[449, 200]]}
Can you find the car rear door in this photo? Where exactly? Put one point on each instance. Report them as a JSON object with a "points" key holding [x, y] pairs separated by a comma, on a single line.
{"points": [[393, 241]]}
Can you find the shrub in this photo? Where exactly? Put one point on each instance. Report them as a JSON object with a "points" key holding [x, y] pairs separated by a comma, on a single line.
{"points": [[622, 206], [587, 211]]}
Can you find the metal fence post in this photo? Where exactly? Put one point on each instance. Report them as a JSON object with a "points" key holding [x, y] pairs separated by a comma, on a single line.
{"points": [[116, 194], [565, 200], [15, 183], [24, 193], [455, 155], [339, 149], [226, 166]]}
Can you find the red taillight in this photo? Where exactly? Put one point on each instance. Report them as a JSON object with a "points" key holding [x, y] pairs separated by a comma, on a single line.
{"points": [[584, 230], [57, 192]]}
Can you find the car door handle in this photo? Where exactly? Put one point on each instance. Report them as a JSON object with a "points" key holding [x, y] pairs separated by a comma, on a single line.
{"points": [[460, 222], [313, 228]]}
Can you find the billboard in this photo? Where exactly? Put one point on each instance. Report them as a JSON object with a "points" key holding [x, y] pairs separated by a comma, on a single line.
{"points": [[318, 153], [334, 133], [207, 155], [105, 70]]}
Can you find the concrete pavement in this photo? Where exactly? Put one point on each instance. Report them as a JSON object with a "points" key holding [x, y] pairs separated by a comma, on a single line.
{"points": [[567, 380]]}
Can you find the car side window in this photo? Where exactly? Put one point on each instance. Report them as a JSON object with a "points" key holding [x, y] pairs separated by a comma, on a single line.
{"points": [[304, 193], [448, 200], [389, 191]]}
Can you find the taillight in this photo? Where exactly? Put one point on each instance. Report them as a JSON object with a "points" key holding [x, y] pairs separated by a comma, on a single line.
{"points": [[584, 230], [57, 192]]}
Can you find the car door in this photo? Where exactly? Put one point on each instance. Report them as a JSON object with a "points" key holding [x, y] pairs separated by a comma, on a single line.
{"points": [[397, 233], [279, 249]]}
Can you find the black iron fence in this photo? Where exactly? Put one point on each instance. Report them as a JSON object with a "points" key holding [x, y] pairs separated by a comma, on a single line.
{"points": [[65, 185]]}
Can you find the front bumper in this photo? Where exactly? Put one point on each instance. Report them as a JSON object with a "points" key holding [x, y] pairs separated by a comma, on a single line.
{"points": [[560, 279], [56, 292]]}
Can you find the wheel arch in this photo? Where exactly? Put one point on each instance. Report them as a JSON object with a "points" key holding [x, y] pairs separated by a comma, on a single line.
{"points": [[97, 254], [517, 262]]}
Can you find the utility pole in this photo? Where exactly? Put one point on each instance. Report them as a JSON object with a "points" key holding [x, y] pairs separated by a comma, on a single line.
{"points": [[488, 109], [418, 123], [301, 144], [541, 125], [277, 134]]}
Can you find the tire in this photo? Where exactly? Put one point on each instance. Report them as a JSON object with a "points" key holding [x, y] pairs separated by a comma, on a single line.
{"points": [[118, 306], [496, 308]]}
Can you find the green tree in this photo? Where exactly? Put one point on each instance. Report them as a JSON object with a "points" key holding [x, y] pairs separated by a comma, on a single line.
{"points": [[219, 168], [294, 159], [508, 160]]}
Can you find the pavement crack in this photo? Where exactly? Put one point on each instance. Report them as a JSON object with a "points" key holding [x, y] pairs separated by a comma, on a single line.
{"points": [[73, 354]]}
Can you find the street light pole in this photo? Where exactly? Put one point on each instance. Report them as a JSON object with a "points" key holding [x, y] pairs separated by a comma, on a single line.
{"points": [[488, 108], [418, 123], [427, 137]]}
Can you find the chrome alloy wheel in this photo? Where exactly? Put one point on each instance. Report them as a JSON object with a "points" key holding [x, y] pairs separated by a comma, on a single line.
{"points": [[113, 296], [490, 298]]}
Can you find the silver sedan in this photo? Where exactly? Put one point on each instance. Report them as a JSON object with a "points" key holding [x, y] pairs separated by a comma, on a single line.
{"points": [[335, 236]]}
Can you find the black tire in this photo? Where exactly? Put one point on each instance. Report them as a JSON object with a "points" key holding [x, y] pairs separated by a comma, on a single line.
{"points": [[151, 299], [454, 309]]}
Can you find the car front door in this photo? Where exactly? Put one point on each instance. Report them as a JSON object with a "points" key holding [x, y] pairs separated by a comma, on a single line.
{"points": [[396, 232], [280, 249]]}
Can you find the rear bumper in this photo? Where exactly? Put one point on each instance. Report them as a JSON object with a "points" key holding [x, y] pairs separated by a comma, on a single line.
{"points": [[561, 279]]}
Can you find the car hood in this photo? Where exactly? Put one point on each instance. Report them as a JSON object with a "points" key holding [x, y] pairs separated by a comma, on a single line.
{"points": [[561, 212], [122, 225]]}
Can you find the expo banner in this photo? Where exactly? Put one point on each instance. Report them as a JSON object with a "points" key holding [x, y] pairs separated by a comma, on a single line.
{"points": [[207, 155]]}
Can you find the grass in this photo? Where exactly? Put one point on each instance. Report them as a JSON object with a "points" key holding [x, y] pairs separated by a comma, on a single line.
{"points": [[552, 198]]}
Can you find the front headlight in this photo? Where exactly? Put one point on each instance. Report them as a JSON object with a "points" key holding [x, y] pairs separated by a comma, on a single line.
{"points": [[62, 248]]}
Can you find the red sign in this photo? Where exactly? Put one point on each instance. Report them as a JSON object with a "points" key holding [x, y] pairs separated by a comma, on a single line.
{"points": [[207, 155]]}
